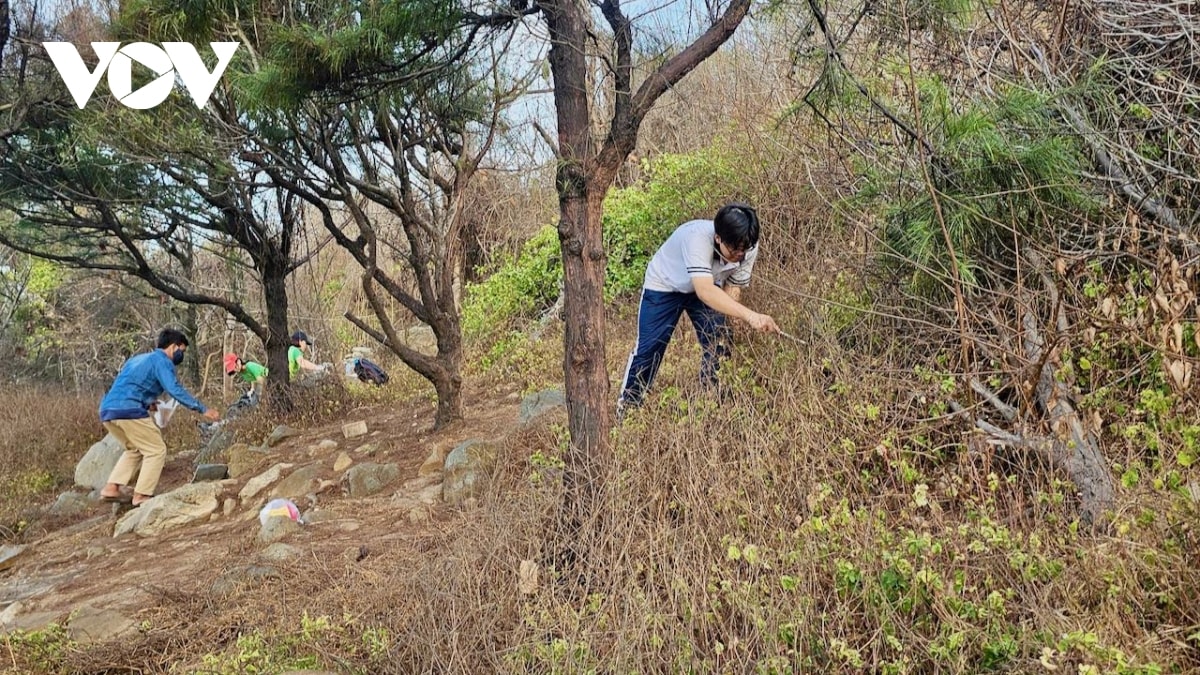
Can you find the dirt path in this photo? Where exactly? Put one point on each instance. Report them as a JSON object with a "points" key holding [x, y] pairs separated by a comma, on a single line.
{"points": [[83, 566]]}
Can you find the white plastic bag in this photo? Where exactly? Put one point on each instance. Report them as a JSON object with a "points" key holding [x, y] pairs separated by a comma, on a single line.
{"points": [[165, 407], [279, 508]]}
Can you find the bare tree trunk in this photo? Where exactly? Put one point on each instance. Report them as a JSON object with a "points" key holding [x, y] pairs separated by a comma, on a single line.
{"points": [[1072, 446], [274, 280], [587, 385], [191, 328], [580, 236], [586, 169], [448, 384]]}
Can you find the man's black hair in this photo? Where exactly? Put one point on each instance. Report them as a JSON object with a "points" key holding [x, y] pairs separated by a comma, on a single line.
{"points": [[170, 336], [737, 225], [300, 336]]}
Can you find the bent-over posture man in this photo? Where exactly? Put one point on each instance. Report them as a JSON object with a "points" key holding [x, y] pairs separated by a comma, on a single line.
{"points": [[251, 373], [700, 269], [297, 363], [125, 413]]}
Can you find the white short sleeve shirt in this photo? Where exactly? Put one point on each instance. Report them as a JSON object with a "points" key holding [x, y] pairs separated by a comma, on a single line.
{"points": [[691, 252]]}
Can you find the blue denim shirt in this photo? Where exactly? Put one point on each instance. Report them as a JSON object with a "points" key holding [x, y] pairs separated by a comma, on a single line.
{"points": [[141, 381]]}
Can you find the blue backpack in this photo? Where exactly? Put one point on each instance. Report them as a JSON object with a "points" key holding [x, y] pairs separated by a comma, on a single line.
{"points": [[370, 372]]}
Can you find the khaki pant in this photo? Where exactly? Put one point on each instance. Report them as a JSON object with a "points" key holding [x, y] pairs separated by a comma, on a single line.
{"points": [[144, 448]]}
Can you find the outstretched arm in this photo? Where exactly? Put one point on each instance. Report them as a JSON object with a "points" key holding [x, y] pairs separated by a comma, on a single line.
{"points": [[725, 303], [171, 385]]}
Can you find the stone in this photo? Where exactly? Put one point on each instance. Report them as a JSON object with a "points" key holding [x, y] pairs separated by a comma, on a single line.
{"points": [[354, 429], [93, 624], [230, 581], [207, 472], [228, 507], [11, 554], [258, 483], [422, 482], [280, 434], [93, 470], [221, 441], [431, 494], [243, 459], [301, 482], [368, 479], [320, 516], [537, 404], [170, 510], [433, 463], [467, 470], [342, 463], [70, 504], [327, 444], [15, 617], [279, 552], [418, 515], [367, 449], [276, 528]]}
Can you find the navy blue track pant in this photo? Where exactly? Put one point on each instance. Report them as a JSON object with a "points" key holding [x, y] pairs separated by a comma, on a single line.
{"points": [[657, 316]]}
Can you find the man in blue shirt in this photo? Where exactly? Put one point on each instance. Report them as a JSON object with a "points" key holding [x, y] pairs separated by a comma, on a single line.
{"points": [[125, 413], [700, 269]]}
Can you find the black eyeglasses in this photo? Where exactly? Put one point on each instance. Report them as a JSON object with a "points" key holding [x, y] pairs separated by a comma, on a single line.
{"points": [[734, 253]]}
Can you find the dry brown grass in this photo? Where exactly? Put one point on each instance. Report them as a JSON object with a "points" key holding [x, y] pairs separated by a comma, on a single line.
{"points": [[44, 431], [822, 520]]}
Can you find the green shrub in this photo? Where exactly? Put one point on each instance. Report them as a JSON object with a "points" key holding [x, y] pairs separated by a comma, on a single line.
{"points": [[520, 288], [998, 164], [637, 219]]}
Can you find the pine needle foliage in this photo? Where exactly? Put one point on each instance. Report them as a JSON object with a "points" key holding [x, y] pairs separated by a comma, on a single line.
{"points": [[1001, 167], [298, 50]]}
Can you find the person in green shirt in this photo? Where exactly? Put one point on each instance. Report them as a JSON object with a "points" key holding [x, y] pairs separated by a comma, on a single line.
{"points": [[253, 374], [297, 362]]}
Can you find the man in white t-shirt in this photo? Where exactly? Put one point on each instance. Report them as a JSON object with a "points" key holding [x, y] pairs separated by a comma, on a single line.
{"points": [[701, 269]]}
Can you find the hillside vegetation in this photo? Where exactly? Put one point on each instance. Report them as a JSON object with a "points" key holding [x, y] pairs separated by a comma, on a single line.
{"points": [[980, 453]]}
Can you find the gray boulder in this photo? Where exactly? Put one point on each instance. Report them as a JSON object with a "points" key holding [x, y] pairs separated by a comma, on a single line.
{"points": [[537, 404], [279, 552], [255, 485], [95, 624], [188, 504], [11, 554], [70, 504], [276, 528], [92, 471], [206, 472], [220, 442], [243, 459], [467, 470], [301, 482], [279, 435], [368, 479]]}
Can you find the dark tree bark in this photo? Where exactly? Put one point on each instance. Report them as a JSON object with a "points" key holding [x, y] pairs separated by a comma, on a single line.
{"points": [[276, 340], [586, 170]]}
